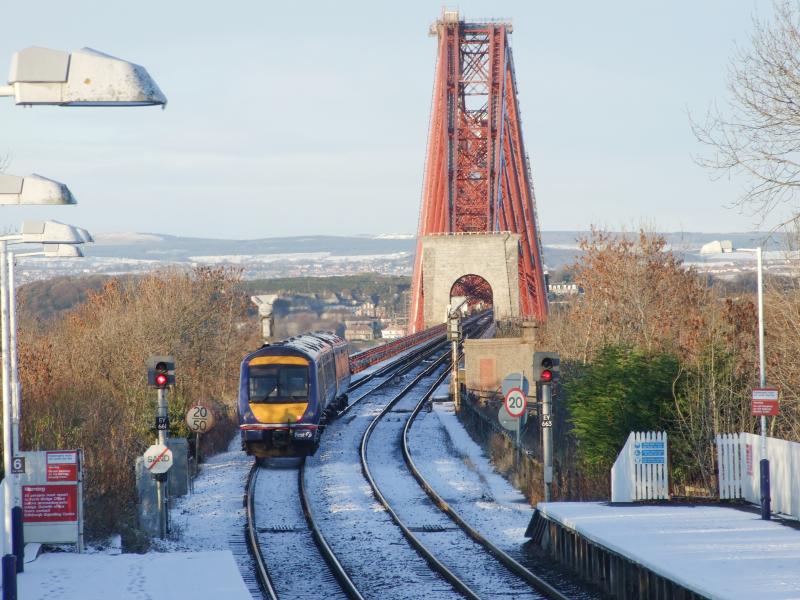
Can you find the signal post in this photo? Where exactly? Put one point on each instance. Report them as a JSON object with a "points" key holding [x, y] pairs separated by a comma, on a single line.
{"points": [[158, 458], [546, 367]]}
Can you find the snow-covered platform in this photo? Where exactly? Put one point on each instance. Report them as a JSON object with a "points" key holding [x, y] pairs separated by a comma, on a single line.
{"points": [[155, 576], [708, 550]]}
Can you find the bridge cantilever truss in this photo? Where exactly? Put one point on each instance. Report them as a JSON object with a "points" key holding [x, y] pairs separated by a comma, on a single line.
{"points": [[477, 174]]}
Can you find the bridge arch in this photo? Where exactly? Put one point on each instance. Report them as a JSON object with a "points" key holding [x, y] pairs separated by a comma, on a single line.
{"points": [[475, 289], [447, 259]]}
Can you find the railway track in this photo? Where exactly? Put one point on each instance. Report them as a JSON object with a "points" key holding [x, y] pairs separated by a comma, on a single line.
{"points": [[474, 567], [370, 525], [281, 534]]}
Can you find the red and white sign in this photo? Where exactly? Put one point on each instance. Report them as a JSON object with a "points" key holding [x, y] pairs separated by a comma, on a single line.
{"points": [[765, 402], [49, 503], [158, 458], [516, 402], [62, 466]]}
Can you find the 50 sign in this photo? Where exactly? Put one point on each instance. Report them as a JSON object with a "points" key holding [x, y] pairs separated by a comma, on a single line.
{"points": [[200, 419]]}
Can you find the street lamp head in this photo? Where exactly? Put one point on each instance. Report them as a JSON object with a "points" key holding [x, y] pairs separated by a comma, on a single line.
{"points": [[33, 189], [62, 251], [49, 232], [85, 77], [87, 237]]}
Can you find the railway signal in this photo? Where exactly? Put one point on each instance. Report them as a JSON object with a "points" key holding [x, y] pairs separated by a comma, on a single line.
{"points": [[161, 375], [546, 367], [160, 372]]}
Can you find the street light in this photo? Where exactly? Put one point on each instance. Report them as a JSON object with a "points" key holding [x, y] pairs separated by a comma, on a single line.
{"points": [[33, 189], [43, 76], [764, 464], [85, 77], [32, 232], [48, 251]]}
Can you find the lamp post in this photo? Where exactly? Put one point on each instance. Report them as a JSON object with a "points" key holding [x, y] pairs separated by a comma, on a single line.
{"points": [[49, 251], [765, 494], [32, 232]]}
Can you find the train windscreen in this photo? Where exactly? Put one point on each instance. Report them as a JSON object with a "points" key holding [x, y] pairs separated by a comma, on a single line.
{"points": [[278, 384]]}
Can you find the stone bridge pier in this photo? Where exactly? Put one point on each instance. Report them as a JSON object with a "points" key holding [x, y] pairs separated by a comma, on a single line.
{"points": [[446, 258]]}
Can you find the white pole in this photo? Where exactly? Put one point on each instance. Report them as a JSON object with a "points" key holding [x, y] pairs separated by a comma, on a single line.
{"points": [[761, 368], [764, 463], [6, 375], [16, 391]]}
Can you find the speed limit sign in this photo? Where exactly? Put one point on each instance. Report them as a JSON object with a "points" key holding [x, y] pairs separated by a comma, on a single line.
{"points": [[200, 419], [516, 402]]}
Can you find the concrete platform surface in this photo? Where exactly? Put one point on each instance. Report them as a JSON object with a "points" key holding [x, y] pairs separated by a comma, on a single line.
{"points": [[154, 576], [716, 551]]}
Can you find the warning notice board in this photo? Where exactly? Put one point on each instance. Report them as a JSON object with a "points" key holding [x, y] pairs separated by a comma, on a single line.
{"points": [[49, 503], [765, 402], [52, 497], [62, 466]]}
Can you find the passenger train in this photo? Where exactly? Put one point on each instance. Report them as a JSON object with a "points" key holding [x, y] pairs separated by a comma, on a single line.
{"points": [[286, 391]]}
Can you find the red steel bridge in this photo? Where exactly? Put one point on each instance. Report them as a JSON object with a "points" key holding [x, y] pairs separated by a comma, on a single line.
{"points": [[477, 173]]}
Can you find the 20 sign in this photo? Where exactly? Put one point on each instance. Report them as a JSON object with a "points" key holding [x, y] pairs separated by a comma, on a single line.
{"points": [[516, 402], [200, 419]]}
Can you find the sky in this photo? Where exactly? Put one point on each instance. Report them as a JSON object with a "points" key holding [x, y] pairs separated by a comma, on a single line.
{"points": [[299, 118]]}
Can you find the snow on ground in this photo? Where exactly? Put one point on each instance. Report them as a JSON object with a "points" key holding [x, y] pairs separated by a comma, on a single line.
{"points": [[204, 519], [196, 563], [153, 576], [716, 551], [466, 479]]}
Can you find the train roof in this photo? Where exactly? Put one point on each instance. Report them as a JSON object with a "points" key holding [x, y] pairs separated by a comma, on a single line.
{"points": [[310, 345]]}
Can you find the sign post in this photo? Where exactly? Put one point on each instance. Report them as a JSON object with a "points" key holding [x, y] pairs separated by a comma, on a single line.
{"points": [[200, 420], [516, 403], [158, 460]]}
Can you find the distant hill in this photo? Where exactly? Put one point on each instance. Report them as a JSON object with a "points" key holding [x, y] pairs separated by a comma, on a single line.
{"points": [[320, 256]]}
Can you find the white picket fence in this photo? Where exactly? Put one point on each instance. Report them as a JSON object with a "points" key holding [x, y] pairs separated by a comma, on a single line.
{"points": [[640, 471], [738, 458]]}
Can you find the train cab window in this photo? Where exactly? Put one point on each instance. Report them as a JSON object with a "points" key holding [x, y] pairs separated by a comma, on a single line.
{"points": [[275, 384]]}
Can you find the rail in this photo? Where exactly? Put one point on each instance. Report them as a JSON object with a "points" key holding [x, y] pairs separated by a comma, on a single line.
{"points": [[337, 569], [251, 535], [429, 557], [515, 567]]}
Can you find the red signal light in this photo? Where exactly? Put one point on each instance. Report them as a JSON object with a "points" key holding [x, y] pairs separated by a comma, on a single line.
{"points": [[161, 380], [546, 376]]}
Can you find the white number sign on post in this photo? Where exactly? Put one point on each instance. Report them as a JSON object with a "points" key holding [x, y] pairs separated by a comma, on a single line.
{"points": [[516, 402], [158, 459], [200, 419]]}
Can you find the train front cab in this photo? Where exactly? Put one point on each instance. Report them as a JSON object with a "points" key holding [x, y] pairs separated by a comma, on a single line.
{"points": [[280, 410]]}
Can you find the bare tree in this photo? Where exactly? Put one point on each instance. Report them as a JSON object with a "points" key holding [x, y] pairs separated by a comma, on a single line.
{"points": [[758, 134]]}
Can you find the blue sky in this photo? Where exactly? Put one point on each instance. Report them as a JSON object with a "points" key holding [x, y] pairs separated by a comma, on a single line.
{"points": [[311, 117]]}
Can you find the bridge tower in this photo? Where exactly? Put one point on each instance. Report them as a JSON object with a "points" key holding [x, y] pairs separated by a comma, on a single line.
{"points": [[477, 174]]}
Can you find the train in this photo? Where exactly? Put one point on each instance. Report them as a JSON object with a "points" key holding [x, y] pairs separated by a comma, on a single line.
{"points": [[288, 389]]}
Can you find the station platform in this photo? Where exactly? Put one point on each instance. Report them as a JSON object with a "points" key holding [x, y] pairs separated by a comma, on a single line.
{"points": [[672, 550], [156, 576]]}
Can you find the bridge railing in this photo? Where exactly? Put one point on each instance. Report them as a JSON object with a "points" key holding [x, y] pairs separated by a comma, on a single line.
{"points": [[367, 358]]}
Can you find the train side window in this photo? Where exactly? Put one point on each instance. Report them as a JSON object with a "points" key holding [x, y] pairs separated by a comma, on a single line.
{"points": [[329, 374]]}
